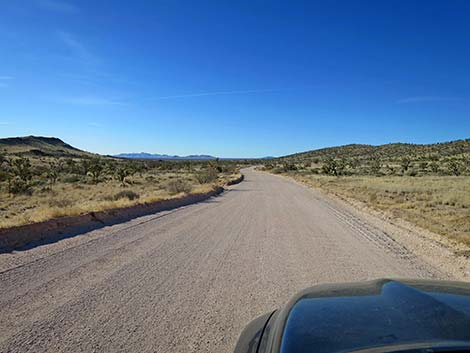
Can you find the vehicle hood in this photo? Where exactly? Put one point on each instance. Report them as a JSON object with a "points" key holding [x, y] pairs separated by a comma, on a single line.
{"points": [[355, 316]]}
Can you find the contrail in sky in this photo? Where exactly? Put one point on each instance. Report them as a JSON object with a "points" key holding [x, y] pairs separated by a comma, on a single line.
{"points": [[219, 93]]}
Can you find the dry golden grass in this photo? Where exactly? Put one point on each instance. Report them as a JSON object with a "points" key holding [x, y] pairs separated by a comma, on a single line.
{"points": [[71, 199], [440, 204]]}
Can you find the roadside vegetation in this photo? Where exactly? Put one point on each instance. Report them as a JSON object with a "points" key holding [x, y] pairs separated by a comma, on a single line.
{"points": [[428, 185], [40, 185]]}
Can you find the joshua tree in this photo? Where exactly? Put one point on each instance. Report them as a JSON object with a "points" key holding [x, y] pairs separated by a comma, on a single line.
{"points": [[21, 168], [375, 165], [133, 167], [405, 163], [423, 166], [53, 172], [121, 173], [330, 166], [454, 167], [71, 166], [85, 165], [96, 168], [354, 163], [3, 158], [434, 167], [21, 175]]}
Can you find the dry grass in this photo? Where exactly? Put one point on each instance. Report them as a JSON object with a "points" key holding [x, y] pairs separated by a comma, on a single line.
{"points": [[75, 198], [440, 204]]}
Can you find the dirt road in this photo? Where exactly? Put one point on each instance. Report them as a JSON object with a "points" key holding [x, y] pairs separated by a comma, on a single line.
{"points": [[188, 280]]}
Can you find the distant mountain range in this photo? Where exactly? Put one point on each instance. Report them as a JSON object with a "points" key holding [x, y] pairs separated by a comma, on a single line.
{"points": [[193, 157], [144, 155], [41, 146]]}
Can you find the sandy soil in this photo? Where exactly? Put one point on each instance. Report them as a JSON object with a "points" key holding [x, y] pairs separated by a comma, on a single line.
{"points": [[188, 280]]}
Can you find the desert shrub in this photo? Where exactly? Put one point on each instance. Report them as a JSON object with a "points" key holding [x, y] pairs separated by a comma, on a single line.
{"points": [[405, 163], [207, 176], [3, 175], [315, 171], [289, 167], [38, 182], [455, 167], [178, 185], [71, 178], [129, 194], [354, 163], [268, 166], [151, 179], [330, 166], [434, 167], [46, 190], [61, 203], [228, 168], [18, 186], [22, 169]]}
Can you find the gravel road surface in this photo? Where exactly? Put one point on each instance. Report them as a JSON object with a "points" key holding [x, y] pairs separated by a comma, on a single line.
{"points": [[188, 280]]}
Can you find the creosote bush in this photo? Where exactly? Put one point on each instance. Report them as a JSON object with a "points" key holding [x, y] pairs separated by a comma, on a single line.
{"points": [[207, 176], [177, 186]]}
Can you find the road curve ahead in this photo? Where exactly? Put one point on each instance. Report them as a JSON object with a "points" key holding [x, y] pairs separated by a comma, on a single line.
{"points": [[188, 280]]}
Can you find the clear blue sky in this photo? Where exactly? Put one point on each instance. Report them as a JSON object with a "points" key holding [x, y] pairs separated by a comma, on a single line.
{"points": [[234, 78]]}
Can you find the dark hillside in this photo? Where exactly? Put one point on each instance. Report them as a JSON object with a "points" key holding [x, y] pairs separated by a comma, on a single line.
{"points": [[39, 146], [448, 158]]}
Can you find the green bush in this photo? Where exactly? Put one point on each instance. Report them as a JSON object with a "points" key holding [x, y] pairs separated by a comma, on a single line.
{"points": [[207, 176], [178, 185]]}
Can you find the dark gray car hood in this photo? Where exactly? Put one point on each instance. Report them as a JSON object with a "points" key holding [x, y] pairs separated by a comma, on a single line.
{"points": [[340, 318]]}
